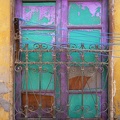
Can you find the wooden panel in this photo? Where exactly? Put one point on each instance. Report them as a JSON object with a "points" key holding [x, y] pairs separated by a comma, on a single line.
{"points": [[75, 83], [34, 100]]}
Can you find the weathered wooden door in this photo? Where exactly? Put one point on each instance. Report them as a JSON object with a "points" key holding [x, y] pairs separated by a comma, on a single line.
{"points": [[61, 59]]}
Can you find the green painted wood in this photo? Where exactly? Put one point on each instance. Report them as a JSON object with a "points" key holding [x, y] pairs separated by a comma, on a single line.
{"points": [[32, 37], [87, 37], [39, 13], [89, 105], [84, 13]]}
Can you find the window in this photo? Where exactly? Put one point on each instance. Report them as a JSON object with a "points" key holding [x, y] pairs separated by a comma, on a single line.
{"points": [[61, 59]]}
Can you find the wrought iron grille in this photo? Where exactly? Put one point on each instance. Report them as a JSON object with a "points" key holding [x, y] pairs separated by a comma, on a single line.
{"points": [[70, 80]]}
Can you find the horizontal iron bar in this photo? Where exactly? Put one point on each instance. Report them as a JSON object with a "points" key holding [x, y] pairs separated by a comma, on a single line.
{"points": [[43, 92], [85, 91], [51, 92], [62, 50], [64, 63]]}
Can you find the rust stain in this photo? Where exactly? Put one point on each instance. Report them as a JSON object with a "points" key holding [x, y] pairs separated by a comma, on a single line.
{"points": [[75, 83]]}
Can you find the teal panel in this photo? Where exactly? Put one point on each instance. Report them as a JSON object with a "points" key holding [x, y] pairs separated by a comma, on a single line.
{"points": [[84, 13], [39, 13], [87, 37], [105, 73], [34, 37], [75, 102], [47, 78], [34, 77]]}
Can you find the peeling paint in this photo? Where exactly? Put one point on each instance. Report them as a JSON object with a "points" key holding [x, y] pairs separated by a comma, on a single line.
{"points": [[3, 88], [5, 104], [93, 8], [83, 11], [44, 15]]}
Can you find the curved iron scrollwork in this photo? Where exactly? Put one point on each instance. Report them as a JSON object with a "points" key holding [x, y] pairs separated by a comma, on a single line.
{"points": [[43, 70]]}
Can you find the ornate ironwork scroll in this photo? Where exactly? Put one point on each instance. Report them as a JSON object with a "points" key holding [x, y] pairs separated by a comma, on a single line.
{"points": [[38, 82]]}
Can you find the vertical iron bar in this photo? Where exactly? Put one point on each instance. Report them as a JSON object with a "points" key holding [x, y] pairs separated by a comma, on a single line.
{"points": [[82, 69], [96, 69], [54, 59], [26, 76], [67, 73], [40, 76]]}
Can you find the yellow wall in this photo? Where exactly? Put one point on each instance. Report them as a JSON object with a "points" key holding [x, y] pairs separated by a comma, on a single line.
{"points": [[5, 61], [116, 49]]}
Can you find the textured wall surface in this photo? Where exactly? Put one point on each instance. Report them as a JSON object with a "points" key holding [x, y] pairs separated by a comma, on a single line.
{"points": [[5, 61], [116, 52]]}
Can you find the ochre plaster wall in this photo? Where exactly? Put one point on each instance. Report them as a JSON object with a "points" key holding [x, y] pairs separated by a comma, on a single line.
{"points": [[116, 52], [6, 80]]}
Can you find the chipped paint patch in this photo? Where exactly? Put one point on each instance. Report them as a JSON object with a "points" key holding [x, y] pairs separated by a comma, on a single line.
{"points": [[44, 15], [4, 104], [3, 88], [82, 11], [93, 8]]}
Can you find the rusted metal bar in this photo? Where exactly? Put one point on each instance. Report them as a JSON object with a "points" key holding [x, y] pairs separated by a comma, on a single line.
{"points": [[63, 63], [70, 50], [84, 92], [55, 78], [40, 80], [82, 69], [96, 82], [26, 80], [68, 82], [51, 92]]}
